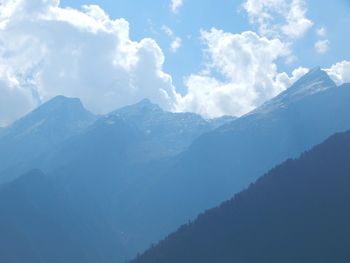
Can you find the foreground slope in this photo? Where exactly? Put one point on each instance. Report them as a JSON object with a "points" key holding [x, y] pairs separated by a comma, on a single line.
{"points": [[298, 212]]}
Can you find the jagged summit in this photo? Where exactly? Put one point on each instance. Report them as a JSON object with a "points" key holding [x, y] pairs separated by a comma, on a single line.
{"points": [[316, 80], [60, 113], [145, 103], [313, 82], [60, 103], [140, 108]]}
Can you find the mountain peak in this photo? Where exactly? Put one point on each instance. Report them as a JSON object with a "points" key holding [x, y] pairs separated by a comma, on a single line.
{"points": [[56, 113], [142, 107], [313, 75], [147, 104], [313, 82], [316, 80], [61, 102], [316, 69]]}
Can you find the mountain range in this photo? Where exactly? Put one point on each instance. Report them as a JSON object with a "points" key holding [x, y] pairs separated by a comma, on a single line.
{"points": [[297, 212], [223, 162], [105, 187], [34, 140]]}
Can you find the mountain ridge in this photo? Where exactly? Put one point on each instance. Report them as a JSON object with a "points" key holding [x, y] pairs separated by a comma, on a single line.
{"points": [[294, 213]]}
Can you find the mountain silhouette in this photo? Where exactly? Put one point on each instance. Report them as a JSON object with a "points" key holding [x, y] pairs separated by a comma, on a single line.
{"points": [[24, 142], [297, 212]]}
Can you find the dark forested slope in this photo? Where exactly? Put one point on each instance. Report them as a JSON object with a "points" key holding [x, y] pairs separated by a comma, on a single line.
{"points": [[298, 212]]}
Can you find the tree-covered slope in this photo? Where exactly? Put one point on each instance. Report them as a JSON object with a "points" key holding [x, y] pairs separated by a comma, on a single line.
{"points": [[298, 212]]}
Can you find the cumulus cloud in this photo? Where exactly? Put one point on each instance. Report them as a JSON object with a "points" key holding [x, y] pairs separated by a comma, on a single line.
{"points": [[322, 46], [340, 72], [240, 74], [279, 17], [175, 5], [47, 50]]}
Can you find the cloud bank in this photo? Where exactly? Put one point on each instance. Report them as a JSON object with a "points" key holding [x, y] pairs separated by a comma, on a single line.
{"points": [[47, 50], [241, 74]]}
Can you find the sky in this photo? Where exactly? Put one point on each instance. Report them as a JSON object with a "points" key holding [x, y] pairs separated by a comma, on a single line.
{"points": [[214, 58]]}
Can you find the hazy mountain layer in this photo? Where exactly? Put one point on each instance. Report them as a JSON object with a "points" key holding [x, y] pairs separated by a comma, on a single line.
{"points": [[130, 202]]}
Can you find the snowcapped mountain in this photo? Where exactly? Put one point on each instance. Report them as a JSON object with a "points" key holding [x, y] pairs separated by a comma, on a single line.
{"points": [[164, 133], [315, 81]]}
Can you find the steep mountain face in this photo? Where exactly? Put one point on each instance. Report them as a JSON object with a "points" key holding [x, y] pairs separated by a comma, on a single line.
{"points": [[40, 132], [225, 161], [295, 213], [164, 133]]}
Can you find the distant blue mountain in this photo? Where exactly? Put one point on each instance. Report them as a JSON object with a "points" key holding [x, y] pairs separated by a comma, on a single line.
{"points": [[133, 176], [92, 183], [44, 138], [40, 132], [164, 133], [295, 213]]}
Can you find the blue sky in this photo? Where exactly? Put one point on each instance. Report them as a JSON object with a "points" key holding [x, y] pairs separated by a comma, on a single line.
{"points": [[147, 18], [209, 57]]}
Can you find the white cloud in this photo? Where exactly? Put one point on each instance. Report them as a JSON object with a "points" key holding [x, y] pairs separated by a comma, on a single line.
{"points": [[240, 74], [279, 17], [175, 5], [46, 50], [175, 44], [340, 72], [321, 32], [322, 46], [14, 99]]}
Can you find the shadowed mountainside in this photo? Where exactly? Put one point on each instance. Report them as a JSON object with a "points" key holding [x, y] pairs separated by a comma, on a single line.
{"points": [[295, 213]]}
